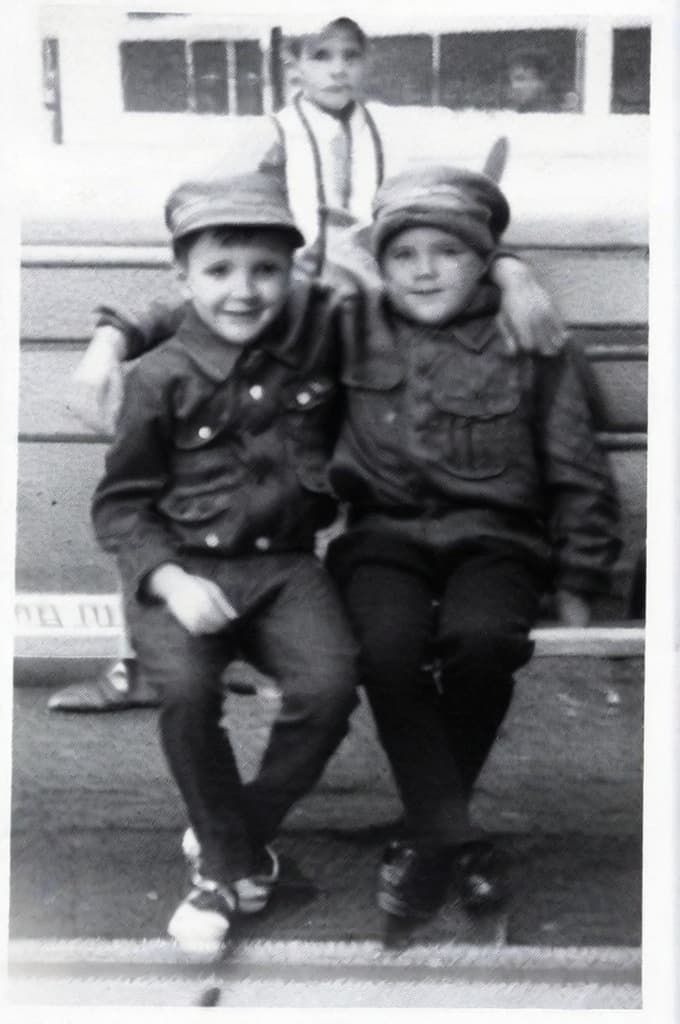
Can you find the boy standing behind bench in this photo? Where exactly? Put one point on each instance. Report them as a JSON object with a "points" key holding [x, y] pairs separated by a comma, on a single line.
{"points": [[214, 487]]}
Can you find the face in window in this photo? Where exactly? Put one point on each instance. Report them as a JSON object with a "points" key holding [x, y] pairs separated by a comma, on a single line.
{"points": [[528, 88], [237, 287], [429, 274], [330, 69]]}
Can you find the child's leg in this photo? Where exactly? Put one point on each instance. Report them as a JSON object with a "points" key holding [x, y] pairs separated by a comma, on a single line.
{"points": [[303, 639], [186, 670], [490, 603], [391, 609]]}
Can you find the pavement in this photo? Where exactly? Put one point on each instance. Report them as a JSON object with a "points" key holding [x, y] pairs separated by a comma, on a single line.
{"points": [[96, 826]]}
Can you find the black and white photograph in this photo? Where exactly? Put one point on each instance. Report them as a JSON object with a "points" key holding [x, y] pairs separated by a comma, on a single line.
{"points": [[332, 682]]}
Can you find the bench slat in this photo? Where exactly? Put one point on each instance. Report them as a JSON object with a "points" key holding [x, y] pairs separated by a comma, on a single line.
{"points": [[90, 626], [589, 287]]}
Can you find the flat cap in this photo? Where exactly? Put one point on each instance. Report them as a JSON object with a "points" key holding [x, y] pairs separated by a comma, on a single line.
{"points": [[256, 200], [466, 203]]}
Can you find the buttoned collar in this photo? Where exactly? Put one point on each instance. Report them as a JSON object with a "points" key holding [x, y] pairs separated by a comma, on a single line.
{"points": [[473, 329], [216, 357]]}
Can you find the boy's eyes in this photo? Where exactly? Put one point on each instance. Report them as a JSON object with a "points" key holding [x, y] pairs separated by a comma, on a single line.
{"points": [[324, 55], [410, 254], [220, 270]]}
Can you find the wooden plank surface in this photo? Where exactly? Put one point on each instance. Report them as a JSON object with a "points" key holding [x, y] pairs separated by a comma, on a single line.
{"points": [[590, 286], [46, 392]]}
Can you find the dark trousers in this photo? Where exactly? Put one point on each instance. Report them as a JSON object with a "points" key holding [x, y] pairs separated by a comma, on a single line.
{"points": [[293, 627], [469, 612]]}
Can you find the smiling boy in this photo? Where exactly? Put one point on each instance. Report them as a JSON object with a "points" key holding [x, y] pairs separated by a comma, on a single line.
{"points": [[475, 484], [214, 488], [332, 149]]}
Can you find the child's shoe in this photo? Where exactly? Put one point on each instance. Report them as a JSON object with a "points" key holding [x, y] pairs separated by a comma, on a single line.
{"points": [[202, 921], [253, 893], [482, 877], [412, 882]]}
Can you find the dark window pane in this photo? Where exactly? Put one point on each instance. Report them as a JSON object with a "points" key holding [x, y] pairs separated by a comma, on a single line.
{"points": [[630, 85], [154, 75], [248, 76], [400, 69], [210, 77], [490, 70]]}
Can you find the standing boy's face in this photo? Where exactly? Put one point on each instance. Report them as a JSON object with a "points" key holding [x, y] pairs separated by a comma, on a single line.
{"points": [[238, 287], [330, 69], [429, 274]]}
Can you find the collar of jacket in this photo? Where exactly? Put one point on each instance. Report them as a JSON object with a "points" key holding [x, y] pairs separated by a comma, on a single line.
{"points": [[374, 352], [216, 358]]}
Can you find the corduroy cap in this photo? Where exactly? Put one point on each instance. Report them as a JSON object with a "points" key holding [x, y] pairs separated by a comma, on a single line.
{"points": [[256, 200], [467, 204]]}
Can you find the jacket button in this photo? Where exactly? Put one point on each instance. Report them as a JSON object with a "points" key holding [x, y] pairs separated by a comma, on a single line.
{"points": [[256, 392], [212, 540], [205, 433], [263, 543]]}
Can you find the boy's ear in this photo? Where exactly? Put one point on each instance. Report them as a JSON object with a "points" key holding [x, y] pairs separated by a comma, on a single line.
{"points": [[181, 272]]}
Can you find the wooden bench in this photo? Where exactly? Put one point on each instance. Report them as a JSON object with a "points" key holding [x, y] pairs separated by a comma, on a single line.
{"points": [[65, 601]]}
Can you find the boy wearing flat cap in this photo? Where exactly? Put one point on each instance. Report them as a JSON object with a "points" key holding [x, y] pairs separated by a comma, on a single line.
{"points": [[214, 487], [332, 149], [475, 483]]}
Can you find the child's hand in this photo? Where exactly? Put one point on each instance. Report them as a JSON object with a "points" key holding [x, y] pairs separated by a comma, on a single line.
{"points": [[531, 320], [98, 380], [572, 609], [198, 604]]}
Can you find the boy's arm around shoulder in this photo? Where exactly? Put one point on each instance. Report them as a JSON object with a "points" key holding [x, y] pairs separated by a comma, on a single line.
{"points": [[582, 510], [118, 336], [136, 473]]}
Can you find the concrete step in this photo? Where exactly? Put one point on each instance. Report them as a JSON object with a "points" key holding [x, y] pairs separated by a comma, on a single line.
{"points": [[304, 973]]}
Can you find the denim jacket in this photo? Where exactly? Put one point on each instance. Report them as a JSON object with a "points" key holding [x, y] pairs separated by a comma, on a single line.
{"points": [[221, 449], [443, 424]]}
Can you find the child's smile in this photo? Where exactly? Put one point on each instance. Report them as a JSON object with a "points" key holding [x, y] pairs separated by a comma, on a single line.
{"points": [[238, 288], [429, 274]]}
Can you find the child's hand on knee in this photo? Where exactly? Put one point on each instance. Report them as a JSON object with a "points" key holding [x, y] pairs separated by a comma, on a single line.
{"points": [[572, 609], [198, 604]]}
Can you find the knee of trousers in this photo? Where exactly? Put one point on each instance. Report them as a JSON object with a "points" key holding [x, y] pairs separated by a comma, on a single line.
{"points": [[488, 653], [327, 706], [189, 690]]}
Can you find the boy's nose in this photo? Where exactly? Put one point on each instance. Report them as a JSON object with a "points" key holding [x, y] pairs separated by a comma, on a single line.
{"points": [[339, 68], [242, 285], [424, 265]]}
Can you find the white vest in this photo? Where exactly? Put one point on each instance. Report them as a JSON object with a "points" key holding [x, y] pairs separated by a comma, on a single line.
{"points": [[307, 133]]}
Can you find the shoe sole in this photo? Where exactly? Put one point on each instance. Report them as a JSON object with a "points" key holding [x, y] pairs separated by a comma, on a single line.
{"points": [[186, 924]]}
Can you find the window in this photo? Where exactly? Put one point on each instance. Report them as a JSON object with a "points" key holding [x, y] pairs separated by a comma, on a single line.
{"points": [[630, 71], [214, 76], [155, 75], [533, 70], [400, 69]]}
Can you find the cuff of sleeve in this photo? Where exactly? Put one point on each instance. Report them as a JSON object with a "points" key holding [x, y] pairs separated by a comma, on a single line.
{"points": [[136, 568], [134, 337]]}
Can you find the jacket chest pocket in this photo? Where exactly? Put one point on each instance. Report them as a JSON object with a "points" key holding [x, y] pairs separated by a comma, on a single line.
{"points": [[476, 425]]}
